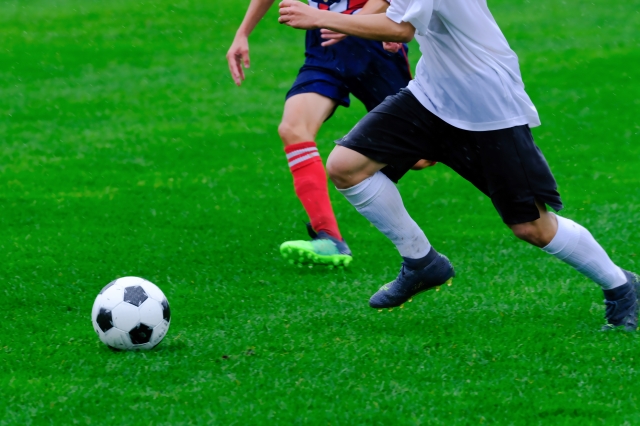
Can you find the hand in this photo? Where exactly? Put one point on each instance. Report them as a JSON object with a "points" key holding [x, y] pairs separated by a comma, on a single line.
{"points": [[298, 15], [391, 46], [332, 37], [237, 56], [423, 164]]}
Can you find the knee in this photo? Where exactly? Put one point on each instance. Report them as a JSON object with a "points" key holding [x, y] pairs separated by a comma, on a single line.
{"points": [[342, 172], [337, 173], [347, 168], [291, 133], [532, 234], [524, 231]]}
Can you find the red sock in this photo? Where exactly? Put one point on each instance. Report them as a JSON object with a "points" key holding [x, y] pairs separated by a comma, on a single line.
{"points": [[310, 183]]}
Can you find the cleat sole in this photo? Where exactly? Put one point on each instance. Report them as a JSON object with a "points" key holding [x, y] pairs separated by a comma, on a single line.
{"points": [[302, 257], [449, 282]]}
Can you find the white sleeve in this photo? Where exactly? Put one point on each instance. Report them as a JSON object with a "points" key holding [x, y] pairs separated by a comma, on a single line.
{"points": [[416, 12]]}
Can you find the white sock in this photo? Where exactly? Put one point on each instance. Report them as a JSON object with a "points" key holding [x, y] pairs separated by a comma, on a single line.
{"points": [[378, 199], [576, 246]]}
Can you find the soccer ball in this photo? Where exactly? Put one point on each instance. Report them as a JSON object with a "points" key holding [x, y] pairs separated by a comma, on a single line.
{"points": [[131, 313]]}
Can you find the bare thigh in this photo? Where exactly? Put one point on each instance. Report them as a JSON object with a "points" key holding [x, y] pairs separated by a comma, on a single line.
{"points": [[303, 116]]}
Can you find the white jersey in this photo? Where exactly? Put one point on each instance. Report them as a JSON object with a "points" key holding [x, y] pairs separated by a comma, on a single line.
{"points": [[468, 75]]}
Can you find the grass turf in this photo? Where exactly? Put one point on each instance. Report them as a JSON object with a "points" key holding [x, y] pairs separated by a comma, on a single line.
{"points": [[127, 150]]}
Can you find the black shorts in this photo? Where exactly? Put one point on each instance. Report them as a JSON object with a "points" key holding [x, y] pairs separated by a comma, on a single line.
{"points": [[506, 165]]}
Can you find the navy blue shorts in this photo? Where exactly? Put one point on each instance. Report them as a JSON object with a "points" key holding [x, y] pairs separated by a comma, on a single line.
{"points": [[505, 164], [353, 66]]}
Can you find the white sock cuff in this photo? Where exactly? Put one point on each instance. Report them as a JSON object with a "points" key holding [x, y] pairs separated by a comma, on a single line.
{"points": [[566, 238], [576, 246], [362, 194], [379, 200]]}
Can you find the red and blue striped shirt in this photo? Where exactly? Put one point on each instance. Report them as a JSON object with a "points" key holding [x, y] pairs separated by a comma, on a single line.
{"points": [[341, 6]]}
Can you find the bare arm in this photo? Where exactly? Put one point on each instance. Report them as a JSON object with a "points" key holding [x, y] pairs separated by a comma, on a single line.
{"points": [[238, 54], [256, 11], [373, 7], [374, 27], [370, 8]]}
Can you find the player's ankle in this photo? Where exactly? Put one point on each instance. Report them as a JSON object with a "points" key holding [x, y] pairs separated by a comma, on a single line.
{"points": [[420, 262]]}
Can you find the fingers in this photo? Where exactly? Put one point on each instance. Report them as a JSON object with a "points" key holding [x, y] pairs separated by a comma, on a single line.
{"points": [[297, 15], [235, 60], [328, 34], [245, 59], [240, 70], [331, 37], [236, 71], [284, 8], [330, 42], [285, 16], [391, 47], [232, 68]]}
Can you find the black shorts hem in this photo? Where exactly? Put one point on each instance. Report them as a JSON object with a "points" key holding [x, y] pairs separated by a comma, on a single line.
{"points": [[527, 212], [504, 164], [393, 172]]}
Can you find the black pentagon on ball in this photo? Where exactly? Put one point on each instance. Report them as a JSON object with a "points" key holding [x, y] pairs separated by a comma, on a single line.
{"points": [[140, 334], [107, 286], [166, 312], [104, 320], [135, 295]]}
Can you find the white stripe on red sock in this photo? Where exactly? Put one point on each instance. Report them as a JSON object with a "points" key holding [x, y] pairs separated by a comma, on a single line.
{"points": [[301, 151], [303, 158]]}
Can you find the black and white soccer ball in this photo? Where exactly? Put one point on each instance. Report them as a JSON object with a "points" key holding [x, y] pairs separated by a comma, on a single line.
{"points": [[131, 313]]}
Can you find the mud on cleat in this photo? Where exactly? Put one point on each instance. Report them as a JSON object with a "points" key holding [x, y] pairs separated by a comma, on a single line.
{"points": [[410, 282], [622, 304], [323, 249]]}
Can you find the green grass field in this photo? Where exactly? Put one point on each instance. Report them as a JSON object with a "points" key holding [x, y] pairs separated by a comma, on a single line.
{"points": [[127, 150]]}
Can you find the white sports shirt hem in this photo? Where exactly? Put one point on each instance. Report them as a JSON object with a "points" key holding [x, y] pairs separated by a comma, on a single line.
{"points": [[531, 120]]}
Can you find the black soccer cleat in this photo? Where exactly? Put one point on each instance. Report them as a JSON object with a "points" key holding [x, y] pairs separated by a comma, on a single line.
{"points": [[622, 304], [411, 282]]}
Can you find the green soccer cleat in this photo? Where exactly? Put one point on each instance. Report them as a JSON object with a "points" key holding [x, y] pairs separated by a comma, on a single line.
{"points": [[323, 249]]}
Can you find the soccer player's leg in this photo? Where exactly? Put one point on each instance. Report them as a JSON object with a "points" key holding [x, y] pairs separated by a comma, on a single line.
{"points": [[573, 244], [363, 167], [303, 115], [512, 170]]}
